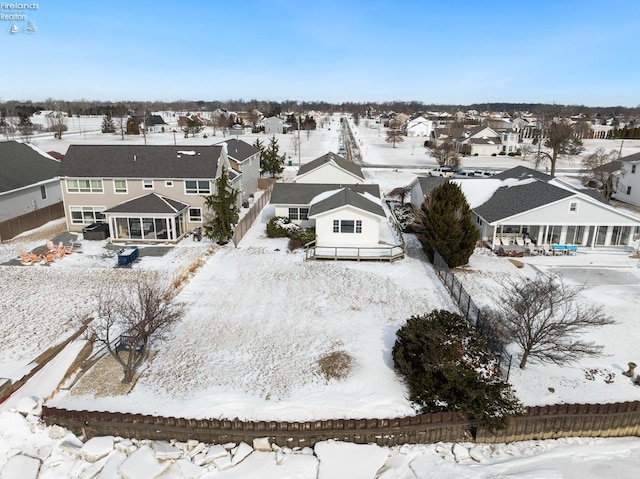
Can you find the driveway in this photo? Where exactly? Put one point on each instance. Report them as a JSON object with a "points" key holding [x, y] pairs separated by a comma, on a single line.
{"points": [[597, 276]]}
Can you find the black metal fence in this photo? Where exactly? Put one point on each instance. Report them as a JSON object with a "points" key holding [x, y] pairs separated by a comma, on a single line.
{"points": [[472, 313]]}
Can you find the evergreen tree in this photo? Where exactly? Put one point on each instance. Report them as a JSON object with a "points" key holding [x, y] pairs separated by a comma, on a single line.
{"points": [[447, 225], [132, 127], [224, 205], [448, 367], [107, 124], [270, 160]]}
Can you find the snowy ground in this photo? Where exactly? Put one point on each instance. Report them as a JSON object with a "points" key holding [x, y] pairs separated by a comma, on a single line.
{"points": [[259, 318]]}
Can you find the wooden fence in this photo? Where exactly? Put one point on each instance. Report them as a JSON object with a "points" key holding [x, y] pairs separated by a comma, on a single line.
{"points": [[247, 220], [13, 227], [548, 422]]}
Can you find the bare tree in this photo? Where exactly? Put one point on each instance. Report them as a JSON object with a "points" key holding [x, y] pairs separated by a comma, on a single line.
{"points": [[545, 318], [445, 153], [401, 192], [560, 138], [600, 167], [57, 123], [394, 135], [129, 315]]}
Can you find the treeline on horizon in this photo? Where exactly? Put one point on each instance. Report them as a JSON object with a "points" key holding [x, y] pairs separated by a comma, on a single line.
{"points": [[269, 108]]}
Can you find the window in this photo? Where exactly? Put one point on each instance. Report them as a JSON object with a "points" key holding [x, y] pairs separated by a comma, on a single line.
{"points": [[633, 168], [43, 192], [573, 207], [298, 213], [81, 215], [347, 226], [84, 186], [168, 184], [628, 190], [197, 187], [147, 184], [120, 186], [195, 215]]}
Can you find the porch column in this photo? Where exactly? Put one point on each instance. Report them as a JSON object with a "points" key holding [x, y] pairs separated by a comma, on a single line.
{"points": [[563, 235], [546, 233], [593, 237], [585, 236], [608, 235]]}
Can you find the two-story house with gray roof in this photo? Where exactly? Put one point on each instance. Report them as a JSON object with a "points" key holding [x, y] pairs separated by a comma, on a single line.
{"points": [[244, 158], [28, 180], [145, 193]]}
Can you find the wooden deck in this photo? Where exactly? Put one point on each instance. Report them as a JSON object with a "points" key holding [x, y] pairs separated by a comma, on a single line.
{"points": [[345, 253]]}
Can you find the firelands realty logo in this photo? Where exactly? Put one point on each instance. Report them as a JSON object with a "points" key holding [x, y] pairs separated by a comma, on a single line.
{"points": [[17, 13]]}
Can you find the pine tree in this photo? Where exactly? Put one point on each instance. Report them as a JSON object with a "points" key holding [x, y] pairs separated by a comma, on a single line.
{"points": [[224, 205], [270, 161], [448, 228], [107, 124], [448, 367], [260, 147]]}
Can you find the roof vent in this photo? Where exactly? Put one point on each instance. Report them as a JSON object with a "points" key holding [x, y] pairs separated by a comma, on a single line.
{"points": [[186, 152]]}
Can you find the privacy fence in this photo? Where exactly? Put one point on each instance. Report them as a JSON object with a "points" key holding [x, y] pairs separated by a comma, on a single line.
{"points": [[14, 226], [247, 220], [549, 422], [472, 312]]}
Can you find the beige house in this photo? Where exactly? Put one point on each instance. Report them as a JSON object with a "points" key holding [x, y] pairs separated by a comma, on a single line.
{"points": [[144, 193]]}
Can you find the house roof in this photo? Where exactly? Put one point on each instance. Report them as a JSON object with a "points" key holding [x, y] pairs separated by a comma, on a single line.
{"points": [[239, 150], [344, 197], [141, 161], [631, 158], [303, 193], [150, 204], [328, 158], [22, 166], [428, 183], [521, 173], [517, 198]]}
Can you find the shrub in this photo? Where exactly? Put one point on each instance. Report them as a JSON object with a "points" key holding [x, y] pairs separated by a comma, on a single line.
{"points": [[493, 154], [299, 238], [511, 153], [448, 367], [502, 153], [280, 227]]}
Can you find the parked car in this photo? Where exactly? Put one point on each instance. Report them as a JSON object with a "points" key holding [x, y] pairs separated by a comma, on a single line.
{"points": [[485, 173], [446, 171], [465, 174]]}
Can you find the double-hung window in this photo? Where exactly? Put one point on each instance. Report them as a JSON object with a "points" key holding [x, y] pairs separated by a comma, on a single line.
{"points": [[120, 186], [347, 226]]}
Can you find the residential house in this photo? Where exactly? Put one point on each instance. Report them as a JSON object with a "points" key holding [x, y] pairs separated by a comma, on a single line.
{"points": [[479, 141], [442, 134], [329, 196], [330, 168], [273, 125], [151, 123], [627, 184], [145, 193], [525, 203], [422, 186], [244, 158], [418, 126], [28, 180]]}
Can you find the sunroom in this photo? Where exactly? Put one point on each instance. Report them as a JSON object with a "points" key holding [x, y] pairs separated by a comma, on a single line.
{"points": [[149, 218]]}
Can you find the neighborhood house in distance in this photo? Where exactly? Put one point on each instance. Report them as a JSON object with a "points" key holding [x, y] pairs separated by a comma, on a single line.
{"points": [[151, 193]]}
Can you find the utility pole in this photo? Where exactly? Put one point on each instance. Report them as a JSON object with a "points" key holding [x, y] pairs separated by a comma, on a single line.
{"points": [[298, 141]]}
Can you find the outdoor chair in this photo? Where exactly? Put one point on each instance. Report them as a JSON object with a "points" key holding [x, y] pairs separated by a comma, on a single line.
{"points": [[50, 246], [558, 249], [519, 241], [571, 249], [533, 251], [68, 249], [546, 250], [505, 241]]}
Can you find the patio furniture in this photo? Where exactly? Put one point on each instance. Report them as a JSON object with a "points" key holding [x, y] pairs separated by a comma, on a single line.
{"points": [[25, 258], [519, 241], [533, 251], [68, 249], [505, 241], [558, 249], [571, 249], [546, 250]]}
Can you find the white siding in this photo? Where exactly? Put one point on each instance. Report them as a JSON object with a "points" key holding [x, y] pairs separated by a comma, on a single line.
{"points": [[629, 180], [329, 173], [370, 228]]}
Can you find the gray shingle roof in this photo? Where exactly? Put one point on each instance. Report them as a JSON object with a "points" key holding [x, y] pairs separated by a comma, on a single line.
{"points": [[521, 173], [239, 150], [140, 161], [345, 197], [634, 157], [508, 201], [327, 158], [303, 193], [21, 165], [428, 183], [149, 204]]}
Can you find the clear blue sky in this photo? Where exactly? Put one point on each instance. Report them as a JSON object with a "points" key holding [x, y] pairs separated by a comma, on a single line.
{"points": [[548, 51]]}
